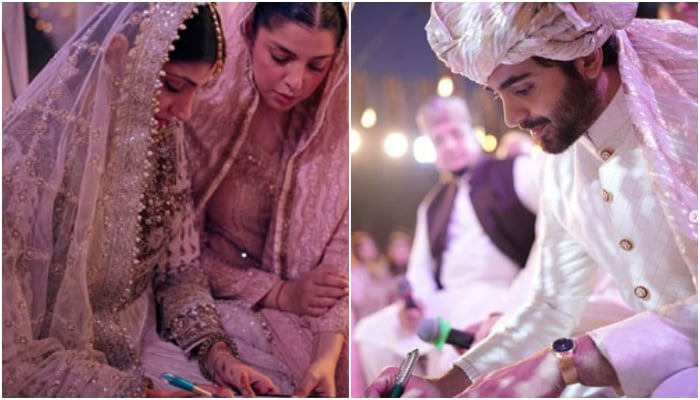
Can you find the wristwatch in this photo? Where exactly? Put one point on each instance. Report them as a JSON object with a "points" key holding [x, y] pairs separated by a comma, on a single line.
{"points": [[563, 350]]}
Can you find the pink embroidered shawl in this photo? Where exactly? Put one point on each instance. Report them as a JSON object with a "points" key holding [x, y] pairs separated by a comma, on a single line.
{"points": [[310, 224]]}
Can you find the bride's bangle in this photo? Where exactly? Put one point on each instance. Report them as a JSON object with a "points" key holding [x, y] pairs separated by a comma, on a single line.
{"points": [[203, 352]]}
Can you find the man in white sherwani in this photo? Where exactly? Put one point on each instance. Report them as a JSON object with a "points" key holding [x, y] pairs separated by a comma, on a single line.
{"points": [[614, 100], [474, 231], [470, 259]]}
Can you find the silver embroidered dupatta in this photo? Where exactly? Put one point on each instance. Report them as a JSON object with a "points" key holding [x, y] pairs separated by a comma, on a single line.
{"points": [[75, 167], [659, 71]]}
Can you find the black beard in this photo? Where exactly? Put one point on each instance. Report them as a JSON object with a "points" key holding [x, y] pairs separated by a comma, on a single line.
{"points": [[575, 112]]}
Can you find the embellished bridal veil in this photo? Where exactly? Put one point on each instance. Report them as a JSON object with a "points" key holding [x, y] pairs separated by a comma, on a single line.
{"points": [[95, 198]]}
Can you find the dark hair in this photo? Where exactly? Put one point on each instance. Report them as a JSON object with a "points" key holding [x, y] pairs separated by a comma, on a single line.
{"points": [[199, 40], [609, 58], [314, 15]]}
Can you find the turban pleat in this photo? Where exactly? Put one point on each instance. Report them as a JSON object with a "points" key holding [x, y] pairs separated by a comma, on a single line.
{"points": [[474, 38]]}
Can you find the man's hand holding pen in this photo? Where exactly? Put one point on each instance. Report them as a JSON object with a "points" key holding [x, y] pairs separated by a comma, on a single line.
{"points": [[405, 370], [394, 382], [415, 386]]}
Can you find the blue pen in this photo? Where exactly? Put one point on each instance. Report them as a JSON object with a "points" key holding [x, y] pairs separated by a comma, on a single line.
{"points": [[183, 383]]}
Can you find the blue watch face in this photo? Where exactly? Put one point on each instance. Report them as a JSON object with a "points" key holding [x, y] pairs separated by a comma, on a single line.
{"points": [[563, 344]]}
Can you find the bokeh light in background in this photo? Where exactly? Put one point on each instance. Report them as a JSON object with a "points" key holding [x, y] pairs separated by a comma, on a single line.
{"points": [[395, 144], [489, 143], [355, 141], [423, 150], [369, 118], [445, 87]]}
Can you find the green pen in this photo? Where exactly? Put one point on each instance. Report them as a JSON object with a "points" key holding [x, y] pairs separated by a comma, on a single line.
{"points": [[404, 373]]}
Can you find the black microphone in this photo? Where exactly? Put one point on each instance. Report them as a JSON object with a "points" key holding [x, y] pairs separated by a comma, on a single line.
{"points": [[405, 291], [439, 332]]}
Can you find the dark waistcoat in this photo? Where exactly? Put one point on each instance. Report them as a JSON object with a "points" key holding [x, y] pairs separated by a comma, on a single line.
{"points": [[506, 221]]}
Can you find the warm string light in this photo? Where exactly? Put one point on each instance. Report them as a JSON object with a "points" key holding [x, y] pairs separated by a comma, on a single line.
{"points": [[43, 25], [423, 150], [396, 144], [355, 141], [369, 118], [445, 87], [489, 143]]}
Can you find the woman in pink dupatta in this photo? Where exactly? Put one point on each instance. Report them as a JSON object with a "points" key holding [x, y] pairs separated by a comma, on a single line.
{"points": [[97, 218], [269, 159]]}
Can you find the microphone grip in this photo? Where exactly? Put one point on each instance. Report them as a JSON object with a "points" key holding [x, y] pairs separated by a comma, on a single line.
{"points": [[460, 338]]}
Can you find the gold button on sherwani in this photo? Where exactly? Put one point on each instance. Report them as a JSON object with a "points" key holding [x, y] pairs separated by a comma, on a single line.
{"points": [[641, 292], [606, 153], [607, 196], [626, 244]]}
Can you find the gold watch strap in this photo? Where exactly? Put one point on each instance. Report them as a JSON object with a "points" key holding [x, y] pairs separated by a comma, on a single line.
{"points": [[567, 367]]}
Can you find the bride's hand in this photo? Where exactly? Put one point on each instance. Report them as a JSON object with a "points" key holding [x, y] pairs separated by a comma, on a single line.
{"points": [[229, 371], [319, 381], [314, 293]]}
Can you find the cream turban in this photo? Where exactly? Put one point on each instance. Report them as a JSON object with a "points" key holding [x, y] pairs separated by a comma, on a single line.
{"points": [[474, 38]]}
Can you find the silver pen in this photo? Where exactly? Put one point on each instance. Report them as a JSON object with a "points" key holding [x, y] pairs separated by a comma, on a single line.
{"points": [[404, 373]]}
